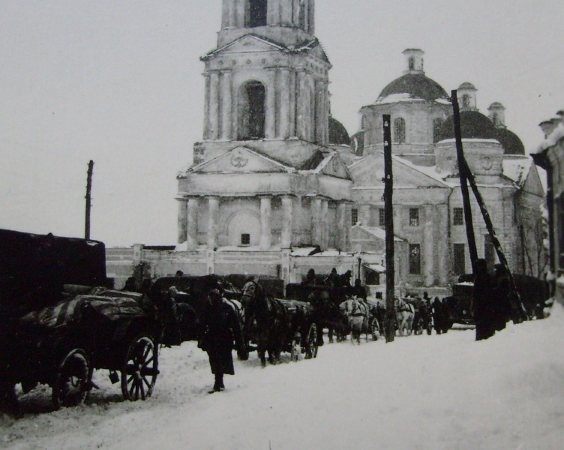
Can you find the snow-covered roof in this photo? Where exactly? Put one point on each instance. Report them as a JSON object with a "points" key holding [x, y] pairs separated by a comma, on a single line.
{"points": [[554, 137], [304, 251], [378, 268], [517, 169], [396, 98], [377, 232]]}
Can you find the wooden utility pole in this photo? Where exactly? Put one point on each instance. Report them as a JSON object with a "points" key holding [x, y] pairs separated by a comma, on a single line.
{"points": [[464, 183], [88, 198], [389, 218]]}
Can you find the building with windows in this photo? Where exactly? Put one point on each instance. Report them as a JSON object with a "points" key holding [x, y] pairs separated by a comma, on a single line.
{"points": [[428, 212], [276, 185], [550, 156]]}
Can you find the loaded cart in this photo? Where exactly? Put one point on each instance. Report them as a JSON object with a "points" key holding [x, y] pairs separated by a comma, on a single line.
{"points": [[59, 323]]}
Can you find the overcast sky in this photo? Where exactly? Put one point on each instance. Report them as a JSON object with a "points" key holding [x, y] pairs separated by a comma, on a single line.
{"points": [[120, 82]]}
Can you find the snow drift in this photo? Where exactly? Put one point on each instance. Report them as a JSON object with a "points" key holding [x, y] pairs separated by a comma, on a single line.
{"points": [[422, 392]]}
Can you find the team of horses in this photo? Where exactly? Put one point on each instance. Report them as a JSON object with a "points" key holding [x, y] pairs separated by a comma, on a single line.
{"points": [[272, 325]]}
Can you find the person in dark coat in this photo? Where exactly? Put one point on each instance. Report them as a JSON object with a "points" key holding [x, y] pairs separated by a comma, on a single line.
{"points": [[501, 309], [310, 278], [333, 279], [437, 310], [483, 302], [359, 290], [220, 329]]}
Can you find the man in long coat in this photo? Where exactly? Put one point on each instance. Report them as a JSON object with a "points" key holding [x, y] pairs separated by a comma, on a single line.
{"points": [[220, 329], [483, 297]]}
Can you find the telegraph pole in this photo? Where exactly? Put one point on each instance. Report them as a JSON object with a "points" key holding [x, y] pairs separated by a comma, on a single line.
{"points": [[463, 174], [389, 218], [88, 198]]}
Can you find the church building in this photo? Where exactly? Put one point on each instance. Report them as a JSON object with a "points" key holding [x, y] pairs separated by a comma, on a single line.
{"points": [[265, 176], [277, 187]]}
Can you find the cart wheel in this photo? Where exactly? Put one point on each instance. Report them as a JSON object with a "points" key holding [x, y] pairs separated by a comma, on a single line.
{"points": [[140, 369], [311, 343], [375, 330], [295, 349], [72, 380]]}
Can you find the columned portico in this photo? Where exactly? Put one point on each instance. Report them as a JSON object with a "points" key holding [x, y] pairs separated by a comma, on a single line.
{"points": [[428, 247], [342, 225], [213, 214], [192, 223], [316, 235], [287, 222], [265, 223], [182, 212]]}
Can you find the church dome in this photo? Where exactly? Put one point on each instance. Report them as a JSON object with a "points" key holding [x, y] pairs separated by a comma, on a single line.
{"points": [[511, 143], [417, 85], [474, 125], [338, 134]]}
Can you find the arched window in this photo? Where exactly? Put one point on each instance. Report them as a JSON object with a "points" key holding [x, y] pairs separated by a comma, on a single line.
{"points": [[256, 13], [437, 124], [411, 63], [399, 130], [466, 101], [495, 119], [251, 111]]}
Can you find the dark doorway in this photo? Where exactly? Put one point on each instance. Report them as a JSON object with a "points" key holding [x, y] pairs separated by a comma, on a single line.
{"points": [[257, 13], [252, 111]]}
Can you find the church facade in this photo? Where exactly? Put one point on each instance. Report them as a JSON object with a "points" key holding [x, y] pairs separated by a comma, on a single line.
{"points": [[265, 176], [277, 186]]}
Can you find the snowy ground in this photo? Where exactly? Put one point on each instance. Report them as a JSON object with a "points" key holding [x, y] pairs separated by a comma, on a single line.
{"points": [[438, 392]]}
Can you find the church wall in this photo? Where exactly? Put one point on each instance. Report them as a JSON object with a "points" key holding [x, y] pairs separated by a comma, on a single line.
{"points": [[418, 116]]}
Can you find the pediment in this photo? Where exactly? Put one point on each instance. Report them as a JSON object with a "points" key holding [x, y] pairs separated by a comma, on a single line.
{"points": [[245, 44], [369, 171], [240, 160], [335, 167]]}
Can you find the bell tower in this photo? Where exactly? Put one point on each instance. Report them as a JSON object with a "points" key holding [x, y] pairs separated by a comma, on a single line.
{"points": [[285, 21], [267, 82]]}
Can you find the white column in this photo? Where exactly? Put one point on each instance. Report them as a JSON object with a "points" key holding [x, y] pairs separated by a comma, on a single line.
{"points": [[428, 248], [182, 217], [302, 121], [295, 13], [270, 124], [324, 222], [285, 103], [311, 17], [226, 102], [225, 14], [192, 223], [231, 14], [342, 226], [443, 244], [315, 221], [287, 222], [214, 106], [207, 107], [293, 103], [364, 215], [265, 223], [213, 213]]}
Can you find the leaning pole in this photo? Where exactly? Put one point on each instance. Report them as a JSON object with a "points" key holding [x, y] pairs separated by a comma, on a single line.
{"points": [[389, 218], [462, 173]]}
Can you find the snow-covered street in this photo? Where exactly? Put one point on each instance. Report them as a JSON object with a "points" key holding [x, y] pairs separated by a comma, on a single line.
{"points": [[438, 392]]}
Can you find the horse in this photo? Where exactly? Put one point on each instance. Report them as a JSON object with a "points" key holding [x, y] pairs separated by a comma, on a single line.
{"points": [[326, 314], [266, 319], [405, 313], [358, 314]]}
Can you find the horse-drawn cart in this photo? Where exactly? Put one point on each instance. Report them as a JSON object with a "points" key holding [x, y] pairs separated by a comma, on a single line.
{"points": [[57, 324], [276, 325]]}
